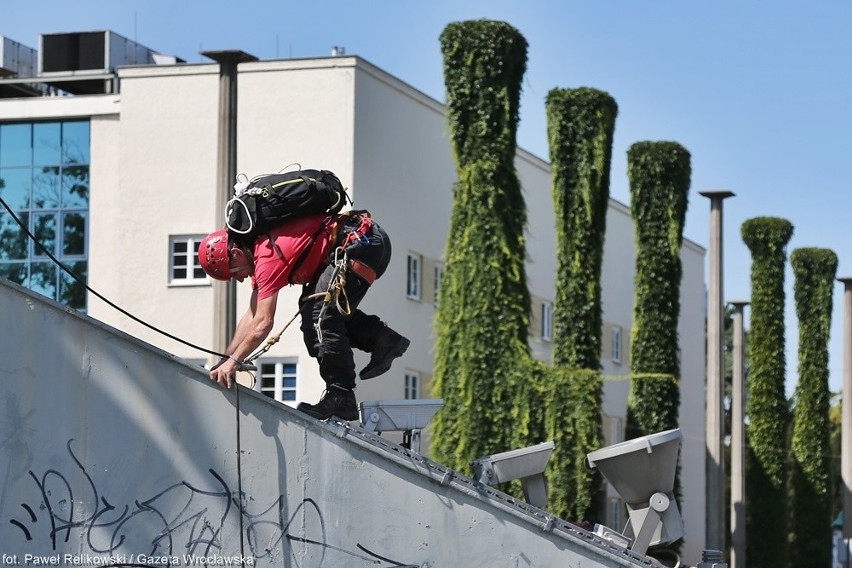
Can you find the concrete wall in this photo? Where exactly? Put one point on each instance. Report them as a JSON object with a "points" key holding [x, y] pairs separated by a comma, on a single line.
{"points": [[113, 451]]}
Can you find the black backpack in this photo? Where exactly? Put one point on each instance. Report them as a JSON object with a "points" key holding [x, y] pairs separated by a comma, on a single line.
{"points": [[270, 200]]}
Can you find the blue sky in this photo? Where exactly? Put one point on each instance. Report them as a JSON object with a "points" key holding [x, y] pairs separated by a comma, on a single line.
{"points": [[759, 92]]}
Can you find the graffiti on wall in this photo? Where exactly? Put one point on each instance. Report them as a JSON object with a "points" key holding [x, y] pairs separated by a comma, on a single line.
{"points": [[178, 525]]}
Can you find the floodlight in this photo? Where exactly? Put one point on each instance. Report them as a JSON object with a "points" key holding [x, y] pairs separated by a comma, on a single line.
{"points": [[526, 464], [642, 471], [406, 416]]}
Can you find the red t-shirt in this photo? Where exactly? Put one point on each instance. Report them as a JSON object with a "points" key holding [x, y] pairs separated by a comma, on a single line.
{"points": [[273, 271]]}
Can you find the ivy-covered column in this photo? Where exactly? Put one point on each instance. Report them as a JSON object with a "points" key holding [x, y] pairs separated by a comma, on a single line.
{"points": [[580, 126], [766, 471], [659, 174], [814, 270], [481, 352]]}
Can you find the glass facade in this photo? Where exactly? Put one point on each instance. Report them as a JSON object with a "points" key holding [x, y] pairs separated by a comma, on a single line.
{"points": [[44, 179]]}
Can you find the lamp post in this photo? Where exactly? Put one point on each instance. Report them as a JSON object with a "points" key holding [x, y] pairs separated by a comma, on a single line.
{"points": [[225, 293], [738, 517], [846, 411], [714, 414]]}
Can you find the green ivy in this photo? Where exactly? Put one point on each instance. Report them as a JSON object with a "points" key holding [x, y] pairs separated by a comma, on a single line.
{"points": [[572, 420], [653, 404], [659, 174], [814, 270], [766, 514], [580, 131], [481, 353]]}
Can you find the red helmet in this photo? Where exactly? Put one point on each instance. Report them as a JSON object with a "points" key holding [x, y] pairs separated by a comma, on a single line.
{"points": [[213, 255]]}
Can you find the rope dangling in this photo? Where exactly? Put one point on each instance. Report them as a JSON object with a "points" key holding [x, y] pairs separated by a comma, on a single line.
{"points": [[336, 289]]}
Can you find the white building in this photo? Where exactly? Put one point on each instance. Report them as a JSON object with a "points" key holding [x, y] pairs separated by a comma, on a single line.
{"points": [[148, 152]]}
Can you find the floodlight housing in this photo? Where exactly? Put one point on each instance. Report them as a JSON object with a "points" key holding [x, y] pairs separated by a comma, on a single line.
{"points": [[642, 471], [407, 416], [526, 464]]}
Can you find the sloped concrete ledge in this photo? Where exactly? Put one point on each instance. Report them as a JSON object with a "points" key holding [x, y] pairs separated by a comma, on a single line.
{"points": [[115, 452]]}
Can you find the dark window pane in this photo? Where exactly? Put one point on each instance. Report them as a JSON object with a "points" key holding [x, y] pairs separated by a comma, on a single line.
{"points": [[72, 292], [43, 279], [180, 261], [179, 246], [15, 187], [75, 186], [75, 142], [44, 229], [13, 239], [179, 274], [198, 273], [73, 234], [46, 188], [16, 272], [288, 395], [289, 382], [16, 145], [46, 144]]}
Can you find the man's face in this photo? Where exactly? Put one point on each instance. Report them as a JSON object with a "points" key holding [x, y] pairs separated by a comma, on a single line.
{"points": [[240, 266]]}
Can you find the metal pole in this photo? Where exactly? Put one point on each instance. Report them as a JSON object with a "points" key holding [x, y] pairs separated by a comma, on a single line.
{"points": [[225, 293], [715, 423], [846, 411], [738, 490]]}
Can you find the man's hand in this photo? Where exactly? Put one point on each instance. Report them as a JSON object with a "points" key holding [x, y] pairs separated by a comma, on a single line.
{"points": [[224, 373]]}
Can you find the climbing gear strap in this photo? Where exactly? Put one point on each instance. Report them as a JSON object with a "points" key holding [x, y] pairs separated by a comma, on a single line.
{"points": [[336, 289], [364, 271]]}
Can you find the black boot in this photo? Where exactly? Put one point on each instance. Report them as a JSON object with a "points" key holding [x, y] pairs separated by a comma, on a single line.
{"points": [[336, 401], [389, 346]]}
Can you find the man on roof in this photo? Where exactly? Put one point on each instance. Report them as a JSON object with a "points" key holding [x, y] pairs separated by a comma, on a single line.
{"points": [[303, 251]]}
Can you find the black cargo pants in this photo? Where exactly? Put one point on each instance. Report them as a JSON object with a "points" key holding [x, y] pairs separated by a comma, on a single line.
{"points": [[341, 332]]}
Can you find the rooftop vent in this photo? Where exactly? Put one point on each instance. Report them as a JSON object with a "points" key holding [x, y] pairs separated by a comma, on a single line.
{"points": [[85, 62]]}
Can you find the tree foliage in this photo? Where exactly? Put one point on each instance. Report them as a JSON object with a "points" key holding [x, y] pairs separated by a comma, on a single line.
{"points": [[814, 270], [482, 355], [766, 513]]}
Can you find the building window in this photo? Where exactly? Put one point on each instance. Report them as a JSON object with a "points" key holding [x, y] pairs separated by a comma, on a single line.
{"points": [[546, 321], [439, 277], [616, 344], [44, 179], [413, 286], [615, 432], [184, 267], [412, 386], [278, 381], [614, 520]]}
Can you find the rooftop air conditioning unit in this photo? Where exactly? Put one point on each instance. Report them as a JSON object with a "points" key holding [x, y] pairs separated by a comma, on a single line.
{"points": [[84, 62]]}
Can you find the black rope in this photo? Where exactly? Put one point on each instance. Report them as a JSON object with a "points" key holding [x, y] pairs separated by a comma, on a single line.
{"points": [[239, 469], [81, 281]]}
